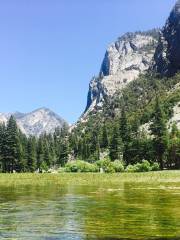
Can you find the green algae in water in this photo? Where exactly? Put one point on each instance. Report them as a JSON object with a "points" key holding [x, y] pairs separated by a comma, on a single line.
{"points": [[69, 212]]}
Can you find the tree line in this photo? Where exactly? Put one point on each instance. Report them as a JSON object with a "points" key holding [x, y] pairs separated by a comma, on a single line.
{"points": [[122, 139], [19, 153], [115, 139]]}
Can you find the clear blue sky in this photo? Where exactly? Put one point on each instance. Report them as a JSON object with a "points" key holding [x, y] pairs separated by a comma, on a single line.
{"points": [[50, 49]]}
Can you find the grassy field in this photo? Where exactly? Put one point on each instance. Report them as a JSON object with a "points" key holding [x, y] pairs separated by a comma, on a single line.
{"points": [[28, 179]]}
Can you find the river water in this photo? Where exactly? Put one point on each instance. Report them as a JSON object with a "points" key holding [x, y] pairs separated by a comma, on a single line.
{"points": [[129, 211]]}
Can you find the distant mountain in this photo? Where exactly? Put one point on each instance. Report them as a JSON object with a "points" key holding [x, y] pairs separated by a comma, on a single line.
{"points": [[35, 123]]}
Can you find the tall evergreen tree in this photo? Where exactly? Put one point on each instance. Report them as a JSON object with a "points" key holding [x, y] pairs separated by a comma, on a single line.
{"points": [[125, 133], [174, 147], [31, 154], [12, 146], [63, 152], [2, 147], [159, 132], [115, 149], [47, 155], [104, 139], [40, 154], [124, 127]]}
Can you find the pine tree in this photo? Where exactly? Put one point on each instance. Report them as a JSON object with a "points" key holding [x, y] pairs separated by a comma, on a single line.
{"points": [[22, 155], [125, 135], [2, 147], [40, 154], [63, 152], [12, 146], [74, 144], [174, 147], [31, 154], [21, 162], [80, 149], [124, 127], [97, 151], [52, 150], [47, 155], [84, 149], [104, 140], [115, 145], [159, 132]]}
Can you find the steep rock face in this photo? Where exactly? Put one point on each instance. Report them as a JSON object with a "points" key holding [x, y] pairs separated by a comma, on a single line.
{"points": [[167, 55], [124, 61], [37, 122]]}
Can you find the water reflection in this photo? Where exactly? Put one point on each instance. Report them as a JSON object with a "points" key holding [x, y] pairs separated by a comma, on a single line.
{"points": [[86, 213]]}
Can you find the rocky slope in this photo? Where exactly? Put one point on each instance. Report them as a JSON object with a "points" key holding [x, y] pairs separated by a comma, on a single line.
{"points": [[167, 55], [125, 59], [37, 122]]}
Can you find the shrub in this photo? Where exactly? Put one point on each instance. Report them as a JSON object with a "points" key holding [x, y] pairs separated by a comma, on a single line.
{"points": [[155, 167], [106, 165], [102, 163], [71, 167], [80, 166], [43, 167], [131, 168], [118, 166], [145, 166], [109, 169]]}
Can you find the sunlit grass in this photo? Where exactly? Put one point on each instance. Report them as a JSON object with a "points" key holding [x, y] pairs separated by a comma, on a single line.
{"points": [[33, 179]]}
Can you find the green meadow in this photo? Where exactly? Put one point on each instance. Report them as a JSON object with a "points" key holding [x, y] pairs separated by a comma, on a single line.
{"points": [[33, 179]]}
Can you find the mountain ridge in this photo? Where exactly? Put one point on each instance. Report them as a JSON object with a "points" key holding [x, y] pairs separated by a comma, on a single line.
{"points": [[39, 121]]}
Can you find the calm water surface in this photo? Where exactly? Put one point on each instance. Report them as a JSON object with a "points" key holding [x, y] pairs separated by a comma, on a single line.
{"points": [[129, 211]]}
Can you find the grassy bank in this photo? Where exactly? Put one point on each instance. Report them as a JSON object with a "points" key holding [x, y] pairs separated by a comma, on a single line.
{"points": [[28, 179]]}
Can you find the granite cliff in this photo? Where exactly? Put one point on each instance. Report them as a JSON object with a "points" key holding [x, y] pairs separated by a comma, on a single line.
{"points": [[125, 59]]}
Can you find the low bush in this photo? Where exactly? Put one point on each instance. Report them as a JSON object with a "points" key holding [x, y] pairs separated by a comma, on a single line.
{"points": [[109, 167], [145, 166], [106, 165], [131, 168], [80, 166], [43, 167], [118, 166], [155, 167]]}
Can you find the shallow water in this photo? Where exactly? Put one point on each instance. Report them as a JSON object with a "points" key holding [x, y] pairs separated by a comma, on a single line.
{"points": [[129, 211]]}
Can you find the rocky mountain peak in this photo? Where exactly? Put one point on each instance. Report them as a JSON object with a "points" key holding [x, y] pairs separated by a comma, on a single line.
{"points": [[35, 123], [119, 55], [167, 55]]}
